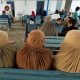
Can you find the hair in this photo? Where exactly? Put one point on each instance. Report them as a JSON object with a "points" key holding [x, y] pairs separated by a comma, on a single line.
{"points": [[71, 21], [69, 18], [3, 12], [36, 38], [56, 12], [59, 19], [77, 8], [32, 11]]}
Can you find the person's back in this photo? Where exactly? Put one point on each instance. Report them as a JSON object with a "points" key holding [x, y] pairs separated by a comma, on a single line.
{"points": [[4, 15], [7, 51], [48, 28], [33, 55], [75, 14], [68, 58]]}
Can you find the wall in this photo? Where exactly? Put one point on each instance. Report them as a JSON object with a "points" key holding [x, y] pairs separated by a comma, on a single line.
{"points": [[2, 6], [68, 5], [58, 5], [74, 4], [30, 6], [52, 6], [27, 6], [19, 7], [63, 4]]}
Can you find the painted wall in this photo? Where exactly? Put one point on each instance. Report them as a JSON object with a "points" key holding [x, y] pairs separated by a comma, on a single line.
{"points": [[27, 6], [19, 7], [52, 6], [2, 6], [74, 4], [63, 4]]}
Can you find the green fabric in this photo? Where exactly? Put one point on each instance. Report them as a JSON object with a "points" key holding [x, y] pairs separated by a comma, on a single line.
{"points": [[75, 15]]}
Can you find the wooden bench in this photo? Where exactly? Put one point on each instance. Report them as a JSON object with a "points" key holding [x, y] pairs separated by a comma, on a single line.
{"points": [[4, 21], [53, 42], [23, 74]]}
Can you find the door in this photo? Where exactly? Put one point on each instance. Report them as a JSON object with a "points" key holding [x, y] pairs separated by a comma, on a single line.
{"points": [[40, 7]]}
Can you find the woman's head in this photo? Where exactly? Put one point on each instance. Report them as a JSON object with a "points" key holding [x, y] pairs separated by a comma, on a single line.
{"points": [[3, 38], [72, 38], [71, 22], [68, 58], [36, 38]]}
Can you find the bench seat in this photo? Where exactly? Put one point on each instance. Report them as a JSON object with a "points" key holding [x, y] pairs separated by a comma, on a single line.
{"points": [[22, 74]]}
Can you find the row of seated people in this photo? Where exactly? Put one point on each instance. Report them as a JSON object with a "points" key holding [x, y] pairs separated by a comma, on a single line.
{"points": [[35, 56], [62, 25], [58, 27], [7, 17]]}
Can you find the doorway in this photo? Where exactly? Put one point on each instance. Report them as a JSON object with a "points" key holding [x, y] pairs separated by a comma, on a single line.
{"points": [[12, 7], [40, 7]]}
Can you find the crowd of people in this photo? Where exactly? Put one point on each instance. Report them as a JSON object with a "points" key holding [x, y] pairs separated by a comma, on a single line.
{"points": [[61, 25], [34, 55]]}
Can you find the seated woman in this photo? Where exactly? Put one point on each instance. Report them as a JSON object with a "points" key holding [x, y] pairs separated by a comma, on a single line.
{"points": [[70, 26], [48, 28], [7, 51], [68, 58], [32, 16], [33, 55]]}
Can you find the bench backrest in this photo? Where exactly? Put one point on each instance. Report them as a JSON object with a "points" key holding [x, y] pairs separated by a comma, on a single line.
{"points": [[31, 27], [53, 42], [22, 74], [3, 21]]}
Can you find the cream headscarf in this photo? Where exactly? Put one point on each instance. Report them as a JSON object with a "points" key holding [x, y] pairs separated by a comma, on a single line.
{"points": [[68, 58], [47, 19], [3, 38]]}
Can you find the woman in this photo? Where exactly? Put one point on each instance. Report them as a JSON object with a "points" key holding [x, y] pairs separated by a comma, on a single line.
{"points": [[68, 58], [33, 55], [48, 28], [7, 51], [33, 14], [68, 27]]}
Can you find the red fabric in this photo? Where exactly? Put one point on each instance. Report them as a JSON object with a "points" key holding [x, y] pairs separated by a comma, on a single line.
{"points": [[33, 13]]}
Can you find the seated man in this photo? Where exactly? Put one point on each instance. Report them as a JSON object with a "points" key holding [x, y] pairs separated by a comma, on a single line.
{"points": [[58, 24], [5, 16]]}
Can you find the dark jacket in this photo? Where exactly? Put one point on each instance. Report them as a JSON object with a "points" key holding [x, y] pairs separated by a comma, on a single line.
{"points": [[66, 29]]}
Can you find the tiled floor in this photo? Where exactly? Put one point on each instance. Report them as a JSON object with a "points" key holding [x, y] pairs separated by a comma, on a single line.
{"points": [[17, 33]]}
